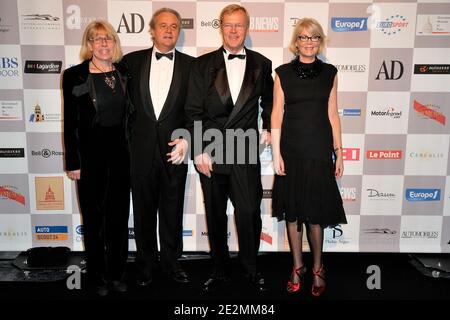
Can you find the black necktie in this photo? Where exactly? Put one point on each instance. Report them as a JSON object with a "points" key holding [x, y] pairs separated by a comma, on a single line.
{"points": [[239, 56], [159, 55]]}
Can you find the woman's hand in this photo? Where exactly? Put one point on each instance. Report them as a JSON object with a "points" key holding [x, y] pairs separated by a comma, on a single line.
{"points": [[278, 165], [74, 175]]}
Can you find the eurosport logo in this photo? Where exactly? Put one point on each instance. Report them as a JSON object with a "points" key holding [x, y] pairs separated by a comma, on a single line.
{"points": [[344, 24], [423, 194]]}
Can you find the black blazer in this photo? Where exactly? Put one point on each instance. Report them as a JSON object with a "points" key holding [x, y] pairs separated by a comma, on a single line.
{"points": [[146, 130], [80, 112], [209, 100]]}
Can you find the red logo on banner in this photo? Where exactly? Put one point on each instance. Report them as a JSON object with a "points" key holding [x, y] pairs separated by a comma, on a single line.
{"points": [[429, 112], [350, 154], [384, 154], [266, 237], [4, 192]]}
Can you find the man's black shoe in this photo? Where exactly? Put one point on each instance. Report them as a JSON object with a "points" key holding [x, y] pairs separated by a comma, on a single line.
{"points": [[257, 282], [213, 283], [179, 275], [144, 281]]}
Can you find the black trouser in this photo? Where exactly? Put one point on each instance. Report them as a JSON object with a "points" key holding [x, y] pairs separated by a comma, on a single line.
{"points": [[243, 187], [158, 195], [104, 194]]}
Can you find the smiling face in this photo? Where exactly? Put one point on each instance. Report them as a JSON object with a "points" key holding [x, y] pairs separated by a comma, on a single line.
{"points": [[234, 28], [102, 45], [307, 50], [165, 32]]}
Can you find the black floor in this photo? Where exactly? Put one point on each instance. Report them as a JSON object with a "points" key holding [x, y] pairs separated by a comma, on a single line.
{"points": [[347, 277]]}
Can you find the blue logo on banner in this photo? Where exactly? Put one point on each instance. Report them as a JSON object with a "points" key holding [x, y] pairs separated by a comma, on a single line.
{"points": [[344, 24], [352, 112], [51, 229], [423, 194], [187, 233]]}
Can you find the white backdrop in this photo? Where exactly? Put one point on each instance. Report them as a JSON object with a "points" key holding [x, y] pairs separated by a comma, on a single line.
{"points": [[393, 59]]}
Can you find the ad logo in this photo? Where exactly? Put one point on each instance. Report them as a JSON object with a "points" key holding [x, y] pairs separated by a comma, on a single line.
{"points": [[423, 194], [344, 24], [393, 73]]}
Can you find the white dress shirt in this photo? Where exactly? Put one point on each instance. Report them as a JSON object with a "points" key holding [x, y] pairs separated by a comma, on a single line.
{"points": [[161, 72], [235, 73]]}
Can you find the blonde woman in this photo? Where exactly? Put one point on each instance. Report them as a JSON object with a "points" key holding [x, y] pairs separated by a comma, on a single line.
{"points": [[307, 150], [96, 153]]}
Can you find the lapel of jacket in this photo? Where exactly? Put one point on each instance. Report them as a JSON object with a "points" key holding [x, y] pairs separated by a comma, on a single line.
{"points": [[252, 71], [123, 75], [221, 79], [145, 85], [175, 86]]}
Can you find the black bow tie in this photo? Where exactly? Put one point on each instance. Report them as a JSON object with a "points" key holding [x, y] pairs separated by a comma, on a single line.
{"points": [[159, 55], [239, 56]]}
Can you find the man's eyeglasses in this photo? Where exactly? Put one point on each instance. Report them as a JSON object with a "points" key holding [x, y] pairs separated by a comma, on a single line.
{"points": [[229, 26], [306, 38], [98, 40]]}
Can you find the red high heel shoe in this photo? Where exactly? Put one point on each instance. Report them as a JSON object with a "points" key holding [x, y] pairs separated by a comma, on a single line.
{"points": [[292, 286], [318, 290]]}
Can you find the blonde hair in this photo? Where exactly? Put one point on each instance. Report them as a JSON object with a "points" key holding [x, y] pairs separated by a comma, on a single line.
{"points": [[313, 27], [231, 9], [92, 29]]}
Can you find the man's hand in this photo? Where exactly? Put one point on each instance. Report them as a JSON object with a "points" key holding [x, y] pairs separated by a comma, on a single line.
{"points": [[178, 152]]}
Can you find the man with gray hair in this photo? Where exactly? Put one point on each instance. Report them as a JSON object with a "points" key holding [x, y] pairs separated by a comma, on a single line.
{"points": [[158, 85]]}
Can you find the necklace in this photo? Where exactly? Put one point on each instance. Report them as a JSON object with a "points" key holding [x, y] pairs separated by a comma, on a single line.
{"points": [[307, 70], [109, 80]]}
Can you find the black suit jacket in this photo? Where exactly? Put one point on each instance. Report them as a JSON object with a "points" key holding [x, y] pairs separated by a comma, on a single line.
{"points": [[80, 112], [146, 129], [210, 104]]}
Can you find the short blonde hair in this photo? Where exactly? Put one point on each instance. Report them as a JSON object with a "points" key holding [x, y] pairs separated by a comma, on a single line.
{"points": [[313, 27], [232, 8], [92, 29]]}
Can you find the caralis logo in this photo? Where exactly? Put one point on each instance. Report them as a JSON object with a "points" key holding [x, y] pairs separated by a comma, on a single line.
{"points": [[344, 24], [423, 194]]}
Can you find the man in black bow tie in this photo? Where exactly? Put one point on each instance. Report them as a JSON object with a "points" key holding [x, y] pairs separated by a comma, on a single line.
{"points": [[158, 85], [225, 88]]}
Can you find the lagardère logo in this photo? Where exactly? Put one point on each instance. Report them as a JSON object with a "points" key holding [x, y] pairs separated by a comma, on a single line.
{"points": [[384, 154], [346, 24], [264, 24], [423, 194], [35, 66]]}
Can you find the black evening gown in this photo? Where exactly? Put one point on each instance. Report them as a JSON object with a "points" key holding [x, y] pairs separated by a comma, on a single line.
{"points": [[309, 192]]}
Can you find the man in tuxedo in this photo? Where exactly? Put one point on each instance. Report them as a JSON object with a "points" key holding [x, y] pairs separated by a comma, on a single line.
{"points": [[225, 88], [158, 85]]}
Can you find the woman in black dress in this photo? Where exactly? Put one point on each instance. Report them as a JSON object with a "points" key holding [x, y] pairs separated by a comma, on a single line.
{"points": [[307, 150], [96, 153]]}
